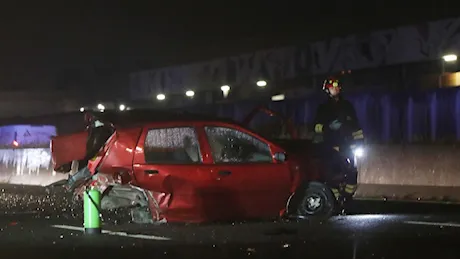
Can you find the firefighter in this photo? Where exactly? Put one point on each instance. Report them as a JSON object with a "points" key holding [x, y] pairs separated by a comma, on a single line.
{"points": [[98, 133], [337, 124]]}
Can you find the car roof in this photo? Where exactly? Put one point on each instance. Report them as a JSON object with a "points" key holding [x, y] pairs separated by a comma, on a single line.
{"points": [[119, 118], [125, 118]]}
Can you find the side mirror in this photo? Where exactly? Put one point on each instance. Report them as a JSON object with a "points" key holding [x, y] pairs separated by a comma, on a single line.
{"points": [[280, 157]]}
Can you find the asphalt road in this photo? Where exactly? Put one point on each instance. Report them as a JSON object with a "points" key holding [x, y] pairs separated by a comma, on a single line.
{"points": [[39, 224]]}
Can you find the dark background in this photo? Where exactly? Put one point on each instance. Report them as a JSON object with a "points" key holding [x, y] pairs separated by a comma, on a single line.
{"points": [[68, 44]]}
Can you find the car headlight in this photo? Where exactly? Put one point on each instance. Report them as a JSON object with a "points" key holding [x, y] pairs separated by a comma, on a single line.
{"points": [[358, 152]]}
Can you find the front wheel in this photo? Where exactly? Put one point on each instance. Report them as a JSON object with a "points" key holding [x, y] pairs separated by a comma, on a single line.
{"points": [[317, 200]]}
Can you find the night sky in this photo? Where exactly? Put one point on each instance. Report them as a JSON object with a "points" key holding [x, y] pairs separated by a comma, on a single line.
{"points": [[54, 45]]}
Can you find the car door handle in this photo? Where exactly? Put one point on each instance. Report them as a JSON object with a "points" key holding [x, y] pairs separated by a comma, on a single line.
{"points": [[225, 173], [151, 171]]}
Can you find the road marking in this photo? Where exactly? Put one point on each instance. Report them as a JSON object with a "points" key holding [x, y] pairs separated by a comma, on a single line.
{"points": [[433, 223], [113, 233], [68, 227], [407, 200]]}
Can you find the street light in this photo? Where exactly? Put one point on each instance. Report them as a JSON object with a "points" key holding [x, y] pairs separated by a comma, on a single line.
{"points": [[122, 107], [449, 57], [225, 89], [101, 107], [261, 83], [279, 97], [161, 97], [82, 109], [190, 93]]}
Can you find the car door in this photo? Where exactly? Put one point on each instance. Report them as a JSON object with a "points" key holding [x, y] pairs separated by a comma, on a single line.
{"points": [[168, 162], [251, 183], [66, 148]]}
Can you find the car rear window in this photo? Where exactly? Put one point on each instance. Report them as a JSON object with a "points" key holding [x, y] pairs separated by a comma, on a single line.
{"points": [[176, 145]]}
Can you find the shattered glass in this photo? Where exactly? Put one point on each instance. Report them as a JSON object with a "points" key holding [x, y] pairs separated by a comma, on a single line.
{"points": [[172, 145], [230, 145], [170, 137]]}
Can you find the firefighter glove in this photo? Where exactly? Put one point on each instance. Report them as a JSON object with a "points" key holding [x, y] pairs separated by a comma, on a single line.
{"points": [[335, 125]]}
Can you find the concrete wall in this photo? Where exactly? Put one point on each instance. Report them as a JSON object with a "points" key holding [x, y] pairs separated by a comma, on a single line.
{"points": [[424, 165], [410, 172], [402, 45], [31, 103]]}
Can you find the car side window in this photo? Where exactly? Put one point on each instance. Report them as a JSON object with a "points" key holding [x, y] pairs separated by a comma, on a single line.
{"points": [[232, 146], [175, 145]]}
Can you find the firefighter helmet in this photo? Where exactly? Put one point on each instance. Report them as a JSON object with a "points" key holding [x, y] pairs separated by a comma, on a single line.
{"points": [[332, 83]]}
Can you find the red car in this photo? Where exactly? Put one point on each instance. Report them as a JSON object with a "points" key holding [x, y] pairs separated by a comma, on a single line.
{"points": [[176, 167]]}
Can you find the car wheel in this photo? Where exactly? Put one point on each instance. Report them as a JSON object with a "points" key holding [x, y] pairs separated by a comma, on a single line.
{"points": [[317, 201]]}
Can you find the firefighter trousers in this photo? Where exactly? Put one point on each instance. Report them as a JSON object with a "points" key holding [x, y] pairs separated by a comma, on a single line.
{"points": [[341, 171]]}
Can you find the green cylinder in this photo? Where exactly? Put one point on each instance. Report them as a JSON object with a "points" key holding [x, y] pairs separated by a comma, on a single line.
{"points": [[91, 206]]}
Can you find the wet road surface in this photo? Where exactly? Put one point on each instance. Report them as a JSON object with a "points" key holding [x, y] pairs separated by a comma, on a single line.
{"points": [[39, 224]]}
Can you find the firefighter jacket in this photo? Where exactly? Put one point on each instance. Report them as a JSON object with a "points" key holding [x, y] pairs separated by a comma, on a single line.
{"points": [[336, 121]]}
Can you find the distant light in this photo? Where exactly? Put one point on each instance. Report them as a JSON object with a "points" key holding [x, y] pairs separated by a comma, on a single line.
{"points": [[15, 143], [261, 83], [449, 57], [122, 107], [190, 93], [278, 97], [225, 90], [101, 107], [161, 97], [128, 108], [82, 109]]}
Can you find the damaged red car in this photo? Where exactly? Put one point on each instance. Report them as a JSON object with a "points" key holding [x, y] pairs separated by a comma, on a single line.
{"points": [[179, 167]]}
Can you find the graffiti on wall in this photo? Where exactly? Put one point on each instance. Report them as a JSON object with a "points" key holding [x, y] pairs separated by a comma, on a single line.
{"points": [[31, 166], [26, 135], [422, 42], [25, 161]]}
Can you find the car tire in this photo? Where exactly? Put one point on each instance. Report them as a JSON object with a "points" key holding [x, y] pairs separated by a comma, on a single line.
{"points": [[316, 201]]}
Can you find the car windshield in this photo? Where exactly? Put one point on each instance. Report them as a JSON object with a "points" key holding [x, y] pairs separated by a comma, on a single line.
{"points": [[268, 127]]}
